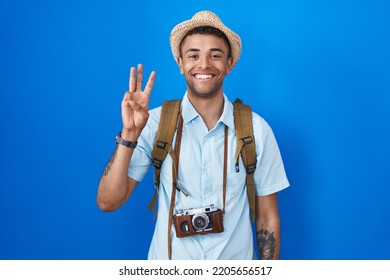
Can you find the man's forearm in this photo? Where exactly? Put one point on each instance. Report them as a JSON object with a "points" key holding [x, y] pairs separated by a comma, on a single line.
{"points": [[113, 187], [268, 242]]}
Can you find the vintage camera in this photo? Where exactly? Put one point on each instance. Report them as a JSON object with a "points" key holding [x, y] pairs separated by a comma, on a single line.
{"points": [[198, 221]]}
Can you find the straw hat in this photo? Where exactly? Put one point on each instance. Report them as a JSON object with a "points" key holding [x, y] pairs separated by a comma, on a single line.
{"points": [[204, 18]]}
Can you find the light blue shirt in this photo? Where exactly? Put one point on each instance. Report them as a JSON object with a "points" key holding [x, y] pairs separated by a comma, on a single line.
{"points": [[201, 175]]}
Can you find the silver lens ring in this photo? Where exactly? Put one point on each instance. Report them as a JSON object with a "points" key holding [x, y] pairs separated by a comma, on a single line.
{"points": [[200, 221]]}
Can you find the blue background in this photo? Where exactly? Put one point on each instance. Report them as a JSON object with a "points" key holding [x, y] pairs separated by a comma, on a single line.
{"points": [[317, 71]]}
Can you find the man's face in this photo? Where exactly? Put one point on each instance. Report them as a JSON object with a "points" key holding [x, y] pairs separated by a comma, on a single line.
{"points": [[204, 64]]}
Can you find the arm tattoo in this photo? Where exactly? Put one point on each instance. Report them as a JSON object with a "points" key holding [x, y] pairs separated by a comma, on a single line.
{"points": [[266, 244], [109, 163]]}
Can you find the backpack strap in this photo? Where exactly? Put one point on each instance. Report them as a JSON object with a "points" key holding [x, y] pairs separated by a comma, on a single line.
{"points": [[246, 147], [162, 146]]}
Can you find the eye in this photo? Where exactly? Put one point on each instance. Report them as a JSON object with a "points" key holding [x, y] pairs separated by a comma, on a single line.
{"points": [[192, 56], [216, 56]]}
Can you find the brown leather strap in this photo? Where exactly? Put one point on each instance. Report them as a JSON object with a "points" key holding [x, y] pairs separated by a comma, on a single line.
{"points": [[175, 173], [225, 152]]}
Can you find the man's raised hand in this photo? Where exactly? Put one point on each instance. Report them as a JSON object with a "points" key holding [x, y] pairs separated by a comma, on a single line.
{"points": [[135, 104]]}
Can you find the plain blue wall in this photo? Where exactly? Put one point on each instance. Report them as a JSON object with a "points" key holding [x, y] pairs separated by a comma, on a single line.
{"points": [[317, 71]]}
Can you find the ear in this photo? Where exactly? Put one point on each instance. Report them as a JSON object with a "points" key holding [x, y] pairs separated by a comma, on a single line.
{"points": [[229, 65], [179, 60]]}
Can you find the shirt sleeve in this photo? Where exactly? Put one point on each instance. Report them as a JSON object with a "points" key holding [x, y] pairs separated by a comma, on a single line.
{"points": [[270, 175], [142, 157]]}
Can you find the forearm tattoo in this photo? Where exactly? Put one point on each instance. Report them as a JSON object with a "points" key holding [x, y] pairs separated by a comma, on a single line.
{"points": [[266, 244], [109, 163]]}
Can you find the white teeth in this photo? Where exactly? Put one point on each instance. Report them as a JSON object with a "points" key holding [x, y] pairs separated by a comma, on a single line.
{"points": [[203, 76]]}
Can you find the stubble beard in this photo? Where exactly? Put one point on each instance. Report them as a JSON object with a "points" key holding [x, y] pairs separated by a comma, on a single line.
{"points": [[194, 90]]}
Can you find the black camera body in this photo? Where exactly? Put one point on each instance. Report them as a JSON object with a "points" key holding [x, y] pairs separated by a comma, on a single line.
{"points": [[198, 221]]}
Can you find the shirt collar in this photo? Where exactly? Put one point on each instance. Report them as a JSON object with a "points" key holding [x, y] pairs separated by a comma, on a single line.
{"points": [[189, 113]]}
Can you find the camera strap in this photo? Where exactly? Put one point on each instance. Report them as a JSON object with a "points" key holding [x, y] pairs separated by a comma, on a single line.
{"points": [[175, 173]]}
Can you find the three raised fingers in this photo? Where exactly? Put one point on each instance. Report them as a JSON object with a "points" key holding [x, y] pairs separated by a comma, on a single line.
{"points": [[135, 81]]}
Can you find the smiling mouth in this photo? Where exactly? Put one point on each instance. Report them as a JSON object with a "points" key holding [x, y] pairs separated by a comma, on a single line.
{"points": [[203, 77]]}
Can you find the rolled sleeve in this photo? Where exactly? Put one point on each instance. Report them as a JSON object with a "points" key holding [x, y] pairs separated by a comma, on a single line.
{"points": [[270, 175]]}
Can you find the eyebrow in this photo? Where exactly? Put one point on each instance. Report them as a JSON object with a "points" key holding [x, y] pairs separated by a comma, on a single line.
{"points": [[197, 50]]}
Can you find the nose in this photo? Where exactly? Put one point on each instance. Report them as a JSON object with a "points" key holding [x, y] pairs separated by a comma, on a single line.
{"points": [[204, 62]]}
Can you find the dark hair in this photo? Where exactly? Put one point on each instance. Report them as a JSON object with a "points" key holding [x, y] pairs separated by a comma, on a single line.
{"points": [[208, 30]]}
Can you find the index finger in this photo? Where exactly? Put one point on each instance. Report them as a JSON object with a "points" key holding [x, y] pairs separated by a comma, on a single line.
{"points": [[150, 83]]}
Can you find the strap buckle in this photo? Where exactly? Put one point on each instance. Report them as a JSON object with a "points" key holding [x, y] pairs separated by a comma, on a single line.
{"points": [[250, 168], [161, 144], [157, 163], [247, 140]]}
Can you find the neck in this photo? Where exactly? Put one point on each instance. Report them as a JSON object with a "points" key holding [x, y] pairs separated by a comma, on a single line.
{"points": [[210, 109]]}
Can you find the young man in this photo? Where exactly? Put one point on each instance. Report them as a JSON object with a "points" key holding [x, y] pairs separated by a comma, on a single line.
{"points": [[208, 175]]}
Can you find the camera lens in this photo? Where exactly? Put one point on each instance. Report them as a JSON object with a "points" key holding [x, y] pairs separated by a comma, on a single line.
{"points": [[200, 221]]}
